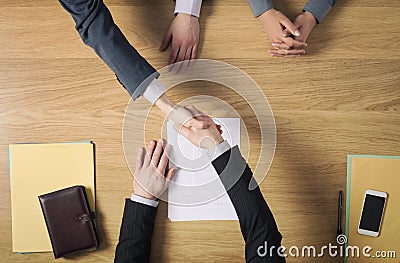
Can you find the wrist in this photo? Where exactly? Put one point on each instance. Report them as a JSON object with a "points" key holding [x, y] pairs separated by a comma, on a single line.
{"points": [[164, 104], [310, 17], [144, 195], [267, 13], [211, 143], [218, 150], [189, 16]]}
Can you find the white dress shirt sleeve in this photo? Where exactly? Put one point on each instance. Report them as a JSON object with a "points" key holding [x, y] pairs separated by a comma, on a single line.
{"points": [[191, 7], [154, 91], [145, 201]]}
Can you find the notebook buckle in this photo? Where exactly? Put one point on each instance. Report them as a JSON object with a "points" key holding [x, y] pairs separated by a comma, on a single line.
{"points": [[85, 218]]}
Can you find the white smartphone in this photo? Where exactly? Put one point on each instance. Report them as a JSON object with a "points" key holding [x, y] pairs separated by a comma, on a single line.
{"points": [[372, 213]]}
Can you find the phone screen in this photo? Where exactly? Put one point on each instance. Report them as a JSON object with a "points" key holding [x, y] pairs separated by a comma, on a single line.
{"points": [[372, 212]]}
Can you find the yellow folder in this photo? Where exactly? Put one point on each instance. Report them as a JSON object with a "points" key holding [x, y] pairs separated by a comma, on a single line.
{"points": [[36, 169], [381, 173]]}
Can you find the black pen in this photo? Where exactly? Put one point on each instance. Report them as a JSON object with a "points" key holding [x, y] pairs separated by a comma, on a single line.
{"points": [[340, 207]]}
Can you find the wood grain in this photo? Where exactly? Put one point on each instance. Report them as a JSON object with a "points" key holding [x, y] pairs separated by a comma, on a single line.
{"points": [[342, 97]]}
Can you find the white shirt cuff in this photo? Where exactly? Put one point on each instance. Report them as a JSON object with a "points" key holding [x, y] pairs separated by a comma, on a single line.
{"points": [[218, 150], [154, 91], [191, 7], [145, 201]]}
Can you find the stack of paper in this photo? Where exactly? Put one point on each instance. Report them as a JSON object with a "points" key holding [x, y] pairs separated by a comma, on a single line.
{"points": [[37, 169], [197, 192]]}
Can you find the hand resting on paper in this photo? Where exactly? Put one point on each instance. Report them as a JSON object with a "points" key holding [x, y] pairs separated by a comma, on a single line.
{"points": [[152, 175]]}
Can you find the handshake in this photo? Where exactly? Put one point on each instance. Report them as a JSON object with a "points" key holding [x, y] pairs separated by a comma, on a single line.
{"points": [[152, 175]]}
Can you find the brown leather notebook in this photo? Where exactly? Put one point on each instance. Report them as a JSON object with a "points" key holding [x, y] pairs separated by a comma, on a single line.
{"points": [[69, 221]]}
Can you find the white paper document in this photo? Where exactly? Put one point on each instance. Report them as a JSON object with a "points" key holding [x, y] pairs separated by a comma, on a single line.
{"points": [[196, 192]]}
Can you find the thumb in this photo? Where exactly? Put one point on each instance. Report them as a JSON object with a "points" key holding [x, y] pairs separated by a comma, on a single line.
{"points": [[290, 26], [286, 32], [198, 123], [182, 130], [165, 41], [171, 173]]}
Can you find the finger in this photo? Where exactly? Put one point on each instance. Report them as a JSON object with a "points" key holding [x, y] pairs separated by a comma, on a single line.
{"points": [[184, 66], [164, 160], [182, 130], [150, 149], [182, 53], [194, 54], [171, 174], [174, 54], [285, 56], [165, 42], [293, 43], [139, 160], [286, 33], [286, 52], [201, 120], [281, 46], [290, 26], [180, 57], [157, 153], [185, 63], [198, 123], [194, 111]]}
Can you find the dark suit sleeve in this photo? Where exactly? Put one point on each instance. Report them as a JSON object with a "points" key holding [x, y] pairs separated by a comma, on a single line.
{"points": [[135, 235], [256, 220], [97, 29]]}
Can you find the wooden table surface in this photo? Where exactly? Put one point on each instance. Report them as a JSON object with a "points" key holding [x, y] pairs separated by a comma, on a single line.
{"points": [[342, 97]]}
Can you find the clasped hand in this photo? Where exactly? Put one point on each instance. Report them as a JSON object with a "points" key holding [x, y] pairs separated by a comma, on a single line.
{"points": [[288, 38]]}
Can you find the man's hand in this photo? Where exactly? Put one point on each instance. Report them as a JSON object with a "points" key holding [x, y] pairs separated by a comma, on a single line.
{"points": [[305, 23], [182, 115], [184, 34], [151, 174], [275, 23], [204, 138]]}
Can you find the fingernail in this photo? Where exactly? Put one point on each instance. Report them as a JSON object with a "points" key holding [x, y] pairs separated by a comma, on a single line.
{"points": [[297, 33], [305, 44], [151, 142]]}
